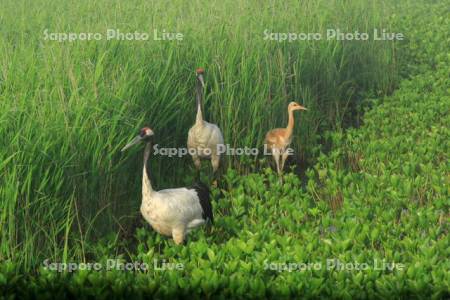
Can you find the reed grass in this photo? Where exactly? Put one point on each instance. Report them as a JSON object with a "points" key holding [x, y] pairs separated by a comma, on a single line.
{"points": [[67, 108]]}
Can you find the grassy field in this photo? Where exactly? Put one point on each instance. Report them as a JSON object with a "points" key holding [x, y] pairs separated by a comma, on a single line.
{"points": [[67, 194]]}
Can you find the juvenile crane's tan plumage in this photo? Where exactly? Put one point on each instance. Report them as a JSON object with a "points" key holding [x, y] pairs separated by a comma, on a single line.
{"points": [[278, 140]]}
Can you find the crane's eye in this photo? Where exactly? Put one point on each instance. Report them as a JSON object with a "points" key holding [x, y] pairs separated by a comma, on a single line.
{"points": [[143, 132]]}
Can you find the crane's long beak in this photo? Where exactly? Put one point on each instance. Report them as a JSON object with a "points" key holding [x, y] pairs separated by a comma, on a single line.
{"points": [[200, 77], [135, 141]]}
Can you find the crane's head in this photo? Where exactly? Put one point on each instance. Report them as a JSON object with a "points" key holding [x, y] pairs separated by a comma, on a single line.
{"points": [[143, 136], [200, 72], [295, 106]]}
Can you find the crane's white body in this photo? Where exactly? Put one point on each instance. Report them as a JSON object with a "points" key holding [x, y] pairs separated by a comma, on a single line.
{"points": [[203, 142], [171, 212]]}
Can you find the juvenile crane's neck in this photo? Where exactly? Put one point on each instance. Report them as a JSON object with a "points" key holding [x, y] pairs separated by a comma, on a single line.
{"points": [[290, 126], [199, 92], [146, 184]]}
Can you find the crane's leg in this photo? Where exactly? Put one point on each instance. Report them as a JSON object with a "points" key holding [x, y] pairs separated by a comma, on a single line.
{"points": [[178, 235], [276, 157], [197, 164], [215, 161], [284, 155]]}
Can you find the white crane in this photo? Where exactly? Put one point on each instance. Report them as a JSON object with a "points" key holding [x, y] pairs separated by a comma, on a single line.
{"points": [[172, 212], [204, 138]]}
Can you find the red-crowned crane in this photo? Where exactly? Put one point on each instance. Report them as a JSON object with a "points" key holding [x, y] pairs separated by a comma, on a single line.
{"points": [[204, 138], [171, 212]]}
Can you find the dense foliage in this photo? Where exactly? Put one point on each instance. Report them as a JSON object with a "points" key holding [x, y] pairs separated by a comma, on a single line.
{"points": [[67, 108], [378, 197]]}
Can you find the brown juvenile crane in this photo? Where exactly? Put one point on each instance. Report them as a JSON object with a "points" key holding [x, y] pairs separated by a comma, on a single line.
{"points": [[278, 140]]}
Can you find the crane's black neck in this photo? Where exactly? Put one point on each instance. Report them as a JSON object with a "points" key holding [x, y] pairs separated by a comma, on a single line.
{"points": [[146, 175], [147, 150], [199, 94]]}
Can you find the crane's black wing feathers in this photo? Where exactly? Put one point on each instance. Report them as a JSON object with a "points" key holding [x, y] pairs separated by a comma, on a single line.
{"points": [[204, 196]]}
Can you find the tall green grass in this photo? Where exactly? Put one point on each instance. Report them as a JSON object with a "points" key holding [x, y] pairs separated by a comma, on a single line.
{"points": [[67, 108]]}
